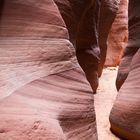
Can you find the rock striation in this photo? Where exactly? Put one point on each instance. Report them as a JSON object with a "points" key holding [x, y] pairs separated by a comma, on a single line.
{"points": [[55, 107], [108, 12], [118, 35], [46, 94], [89, 23], [125, 114], [33, 44]]}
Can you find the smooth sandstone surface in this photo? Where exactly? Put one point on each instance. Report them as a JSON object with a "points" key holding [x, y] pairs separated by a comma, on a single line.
{"points": [[26, 40], [35, 44], [55, 107], [125, 114], [43, 94], [37, 124], [32, 45], [38, 40], [118, 35]]}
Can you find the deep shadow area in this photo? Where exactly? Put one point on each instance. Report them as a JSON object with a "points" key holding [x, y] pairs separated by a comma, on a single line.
{"points": [[1, 8]]}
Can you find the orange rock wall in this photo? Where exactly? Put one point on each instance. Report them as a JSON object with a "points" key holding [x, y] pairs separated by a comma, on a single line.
{"points": [[118, 36]]}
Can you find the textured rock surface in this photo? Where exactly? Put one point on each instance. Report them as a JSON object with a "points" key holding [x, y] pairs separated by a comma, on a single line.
{"points": [[82, 20], [19, 30], [133, 43], [22, 32], [108, 13], [105, 93], [118, 36], [125, 114], [124, 66], [56, 107], [32, 43]]}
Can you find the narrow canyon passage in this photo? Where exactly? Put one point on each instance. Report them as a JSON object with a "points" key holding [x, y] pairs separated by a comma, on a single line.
{"points": [[104, 100], [52, 53]]}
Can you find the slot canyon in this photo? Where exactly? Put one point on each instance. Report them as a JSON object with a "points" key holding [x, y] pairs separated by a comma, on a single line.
{"points": [[69, 70]]}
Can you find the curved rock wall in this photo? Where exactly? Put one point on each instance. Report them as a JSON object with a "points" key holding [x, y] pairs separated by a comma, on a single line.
{"points": [[125, 113], [118, 36], [85, 24], [38, 66], [80, 18], [108, 13], [54, 107], [34, 42], [50, 98]]}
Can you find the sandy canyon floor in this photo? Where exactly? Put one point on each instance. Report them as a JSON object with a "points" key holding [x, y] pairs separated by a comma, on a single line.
{"points": [[104, 100]]}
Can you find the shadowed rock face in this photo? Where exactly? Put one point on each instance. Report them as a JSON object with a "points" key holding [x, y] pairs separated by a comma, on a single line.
{"points": [[125, 115], [36, 28], [133, 43], [81, 18], [89, 29], [108, 13]]}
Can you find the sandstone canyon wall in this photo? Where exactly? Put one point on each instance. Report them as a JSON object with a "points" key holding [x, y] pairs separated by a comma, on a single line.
{"points": [[44, 33], [118, 36], [125, 115], [108, 13], [50, 97], [80, 29], [86, 22], [33, 41]]}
